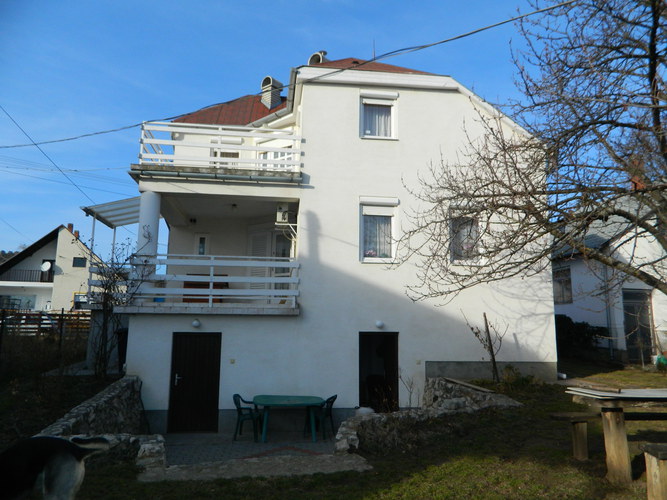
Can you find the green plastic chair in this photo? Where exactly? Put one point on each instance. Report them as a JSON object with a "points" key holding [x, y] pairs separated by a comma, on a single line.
{"points": [[245, 413], [321, 414]]}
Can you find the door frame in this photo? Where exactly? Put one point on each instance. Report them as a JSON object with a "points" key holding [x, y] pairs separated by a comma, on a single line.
{"points": [[636, 344], [195, 408], [379, 389]]}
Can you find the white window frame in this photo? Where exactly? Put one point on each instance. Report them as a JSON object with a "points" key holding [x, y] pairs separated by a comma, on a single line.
{"points": [[376, 98], [379, 206]]}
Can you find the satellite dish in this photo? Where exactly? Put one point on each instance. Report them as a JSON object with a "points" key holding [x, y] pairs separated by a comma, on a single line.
{"points": [[46, 266]]}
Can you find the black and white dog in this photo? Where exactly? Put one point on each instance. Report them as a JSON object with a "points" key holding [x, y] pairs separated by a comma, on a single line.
{"points": [[52, 465]]}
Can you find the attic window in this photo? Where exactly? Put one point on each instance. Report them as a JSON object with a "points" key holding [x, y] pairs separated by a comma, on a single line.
{"points": [[378, 115]]}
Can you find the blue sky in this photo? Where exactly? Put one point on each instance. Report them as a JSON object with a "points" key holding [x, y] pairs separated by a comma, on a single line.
{"points": [[74, 67]]}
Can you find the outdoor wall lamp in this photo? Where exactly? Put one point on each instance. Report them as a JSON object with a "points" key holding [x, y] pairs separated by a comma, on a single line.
{"points": [[379, 324], [196, 323]]}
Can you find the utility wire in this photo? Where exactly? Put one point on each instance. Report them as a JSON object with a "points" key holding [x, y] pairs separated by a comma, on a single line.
{"points": [[393, 53], [46, 156]]}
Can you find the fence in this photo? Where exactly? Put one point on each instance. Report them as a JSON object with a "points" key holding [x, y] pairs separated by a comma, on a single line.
{"points": [[41, 340]]}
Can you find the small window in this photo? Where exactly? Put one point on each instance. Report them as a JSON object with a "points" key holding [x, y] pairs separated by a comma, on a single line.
{"points": [[377, 232], [223, 152], [377, 120], [79, 262], [562, 285], [378, 115], [464, 235], [201, 244]]}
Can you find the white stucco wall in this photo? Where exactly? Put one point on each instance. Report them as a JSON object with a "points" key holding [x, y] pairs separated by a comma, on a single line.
{"points": [[67, 279], [601, 305], [317, 352]]}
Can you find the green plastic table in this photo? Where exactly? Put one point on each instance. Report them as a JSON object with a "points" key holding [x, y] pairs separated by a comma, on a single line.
{"points": [[268, 401]]}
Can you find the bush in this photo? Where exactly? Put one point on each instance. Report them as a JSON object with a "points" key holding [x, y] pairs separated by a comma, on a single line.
{"points": [[574, 338]]}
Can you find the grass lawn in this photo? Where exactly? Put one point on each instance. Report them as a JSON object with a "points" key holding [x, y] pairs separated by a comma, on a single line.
{"points": [[508, 454]]}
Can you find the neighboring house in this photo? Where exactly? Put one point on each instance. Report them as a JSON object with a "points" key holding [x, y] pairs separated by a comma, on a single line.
{"points": [[587, 291], [283, 214], [50, 274]]}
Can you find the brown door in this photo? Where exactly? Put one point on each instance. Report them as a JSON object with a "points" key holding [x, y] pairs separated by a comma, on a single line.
{"points": [[378, 370], [195, 382]]}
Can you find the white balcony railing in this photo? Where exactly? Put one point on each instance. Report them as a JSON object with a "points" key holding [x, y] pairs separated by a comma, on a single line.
{"points": [[219, 147], [222, 282]]}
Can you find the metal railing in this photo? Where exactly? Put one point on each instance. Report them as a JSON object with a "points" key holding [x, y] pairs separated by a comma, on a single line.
{"points": [[165, 144], [29, 275], [210, 281]]}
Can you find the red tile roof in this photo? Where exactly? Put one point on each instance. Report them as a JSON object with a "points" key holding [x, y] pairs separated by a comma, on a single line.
{"points": [[361, 65], [249, 108], [241, 111]]}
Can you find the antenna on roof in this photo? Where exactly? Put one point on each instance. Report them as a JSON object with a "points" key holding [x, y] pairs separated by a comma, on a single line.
{"points": [[373, 48]]}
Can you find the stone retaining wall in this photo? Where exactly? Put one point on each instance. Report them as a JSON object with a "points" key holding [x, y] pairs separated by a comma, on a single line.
{"points": [[442, 396], [115, 410]]}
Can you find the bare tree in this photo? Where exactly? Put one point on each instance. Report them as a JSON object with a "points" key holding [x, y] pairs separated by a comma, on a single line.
{"points": [[586, 171], [115, 283], [492, 342]]}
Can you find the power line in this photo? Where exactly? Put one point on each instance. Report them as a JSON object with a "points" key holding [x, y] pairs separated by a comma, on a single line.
{"points": [[19, 232], [393, 53], [63, 182], [45, 155]]}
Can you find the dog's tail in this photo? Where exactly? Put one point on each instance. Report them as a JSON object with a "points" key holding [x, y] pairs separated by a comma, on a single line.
{"points": [[88, 446]]}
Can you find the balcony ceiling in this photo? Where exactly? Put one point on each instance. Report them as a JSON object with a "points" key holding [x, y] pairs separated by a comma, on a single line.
{"points": [[179, 208]]}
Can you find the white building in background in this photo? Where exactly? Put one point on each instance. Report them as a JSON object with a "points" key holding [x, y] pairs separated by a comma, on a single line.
{"points": [[282, 212], [634, 313], [50, 274]]}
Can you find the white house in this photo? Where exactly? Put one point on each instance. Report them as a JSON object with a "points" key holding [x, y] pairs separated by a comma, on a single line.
{"points": [[282, 212], [634, 313], [51, 273]]}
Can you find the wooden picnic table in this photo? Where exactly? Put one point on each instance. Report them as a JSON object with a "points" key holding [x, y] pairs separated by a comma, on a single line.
{"points": [[612, 404]]}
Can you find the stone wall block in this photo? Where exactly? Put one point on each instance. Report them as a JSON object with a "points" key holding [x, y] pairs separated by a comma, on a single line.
{"points": [[117, 409], [387, 431]]}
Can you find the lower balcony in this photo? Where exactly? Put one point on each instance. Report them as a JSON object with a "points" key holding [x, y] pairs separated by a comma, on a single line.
{"points": [[186, 284]]}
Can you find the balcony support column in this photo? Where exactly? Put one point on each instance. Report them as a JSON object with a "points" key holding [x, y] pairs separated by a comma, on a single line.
{"points": [[149, 223]]}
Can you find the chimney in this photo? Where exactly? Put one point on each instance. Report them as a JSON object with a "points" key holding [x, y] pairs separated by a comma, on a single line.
{"points": [[70, 227], [317, 58], [271, 92], [637, 173], [76, 234]]}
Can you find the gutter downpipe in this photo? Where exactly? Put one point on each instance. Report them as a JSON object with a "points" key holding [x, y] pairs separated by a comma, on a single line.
{"points": [[607, 300]]}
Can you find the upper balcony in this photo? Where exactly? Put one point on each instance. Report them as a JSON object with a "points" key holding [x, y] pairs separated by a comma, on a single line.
{"points": [[218, 152]]}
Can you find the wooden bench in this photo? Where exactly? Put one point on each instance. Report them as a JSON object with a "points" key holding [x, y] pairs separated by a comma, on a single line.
{"points": [[579, 426], [655, 455]]}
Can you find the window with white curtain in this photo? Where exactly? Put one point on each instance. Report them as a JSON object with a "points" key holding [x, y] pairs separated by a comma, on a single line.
{"points": [[377, 120], [377, 229], [378, 115]]}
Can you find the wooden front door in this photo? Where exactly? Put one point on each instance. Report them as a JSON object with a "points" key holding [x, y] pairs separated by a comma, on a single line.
{"points": [[195, 382]]}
